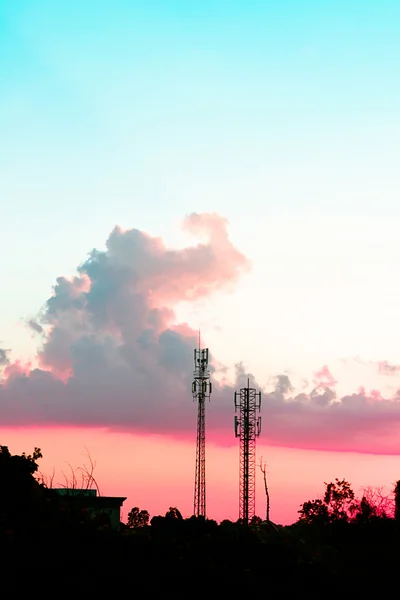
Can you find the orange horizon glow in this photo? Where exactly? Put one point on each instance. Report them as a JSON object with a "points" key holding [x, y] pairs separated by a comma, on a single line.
{"points": [[155, 473]]}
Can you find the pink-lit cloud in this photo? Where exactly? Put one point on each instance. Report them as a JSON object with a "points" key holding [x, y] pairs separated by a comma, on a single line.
{"points": [[383, 367], [386, 368], [112, 354], [324, 377]]}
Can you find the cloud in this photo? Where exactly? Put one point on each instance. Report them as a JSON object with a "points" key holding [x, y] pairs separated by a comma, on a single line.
{"points": [[359, 422], [113, 354], [4, 359], [32, 324], [283, 385], [324, 377], [383, 367], [386, 368]]}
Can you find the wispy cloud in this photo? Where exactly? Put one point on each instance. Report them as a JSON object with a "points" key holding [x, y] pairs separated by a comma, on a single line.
{"points": [[386, 368], [383, 367], [324, 377]]}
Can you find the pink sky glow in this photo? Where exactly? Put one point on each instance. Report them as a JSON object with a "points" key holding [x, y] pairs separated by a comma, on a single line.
{"points": [[113, 372], [155, 472]]}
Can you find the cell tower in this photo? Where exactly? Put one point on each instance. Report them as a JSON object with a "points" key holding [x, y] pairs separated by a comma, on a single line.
{"points": [[247, 429], [201, 390]]}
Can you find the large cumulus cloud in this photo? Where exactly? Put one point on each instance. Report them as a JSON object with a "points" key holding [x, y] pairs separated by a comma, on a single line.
{"points": [[113, 355]]}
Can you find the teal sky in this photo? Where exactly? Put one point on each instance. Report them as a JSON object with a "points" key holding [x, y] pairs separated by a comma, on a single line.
{"points": [[281, 116]]}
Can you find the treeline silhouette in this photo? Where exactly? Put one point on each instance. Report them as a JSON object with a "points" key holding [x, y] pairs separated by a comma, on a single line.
{"points": [[339, 543]]}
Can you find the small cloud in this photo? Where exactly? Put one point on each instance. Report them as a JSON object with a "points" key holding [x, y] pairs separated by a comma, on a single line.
{"points": [[283, 385], [324, 377], [304, 384], [35, 326], [4, 360], [323, 396], [386, 368], [383, 367]]}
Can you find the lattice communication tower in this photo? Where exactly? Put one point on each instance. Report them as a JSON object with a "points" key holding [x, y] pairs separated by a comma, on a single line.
{"points": [[247, 429], [201, 390]]}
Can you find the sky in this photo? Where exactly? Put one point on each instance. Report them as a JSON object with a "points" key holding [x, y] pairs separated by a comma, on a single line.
{"points": [[167, 166]]}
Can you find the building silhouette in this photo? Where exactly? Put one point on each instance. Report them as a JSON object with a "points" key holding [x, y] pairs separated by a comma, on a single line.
{"points": [[94, 505]]}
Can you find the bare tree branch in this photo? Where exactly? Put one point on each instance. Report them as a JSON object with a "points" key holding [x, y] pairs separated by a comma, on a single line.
{"points": [[46, 480], [263, 468], [79, 478], [382, 502]]}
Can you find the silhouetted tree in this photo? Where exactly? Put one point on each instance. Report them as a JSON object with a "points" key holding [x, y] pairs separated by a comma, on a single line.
{"points": [[263, 468], [18, 470], [138, 518], [382, 504], [365, 511], [337, 504], [339, 498], [255, 521], [397, 501], [314, 512], [173, 513], [21, 494]]}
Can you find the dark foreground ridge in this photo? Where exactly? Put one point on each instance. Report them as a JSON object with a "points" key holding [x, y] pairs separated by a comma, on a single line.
{"points": [[48, 544]]}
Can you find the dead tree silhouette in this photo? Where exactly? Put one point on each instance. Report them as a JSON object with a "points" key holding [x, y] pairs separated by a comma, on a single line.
{"points": [[263, 468]]}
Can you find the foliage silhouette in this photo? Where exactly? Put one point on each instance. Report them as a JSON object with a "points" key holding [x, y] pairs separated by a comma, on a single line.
{"points": [[338, 541], [397, 501], [338, 504], [173, 513], [21, 494], [137, 518]]}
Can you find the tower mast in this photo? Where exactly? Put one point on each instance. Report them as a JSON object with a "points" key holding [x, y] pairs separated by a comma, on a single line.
{"points": [[201, 390], [247, 428]]}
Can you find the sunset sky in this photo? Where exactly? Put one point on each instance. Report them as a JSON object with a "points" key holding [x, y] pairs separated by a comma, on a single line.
{"points": [[170, 165]]}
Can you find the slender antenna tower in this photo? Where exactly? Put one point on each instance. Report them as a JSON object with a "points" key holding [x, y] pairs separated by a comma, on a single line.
{"points": [[247, 429], [201, 389], [263, 468]]}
